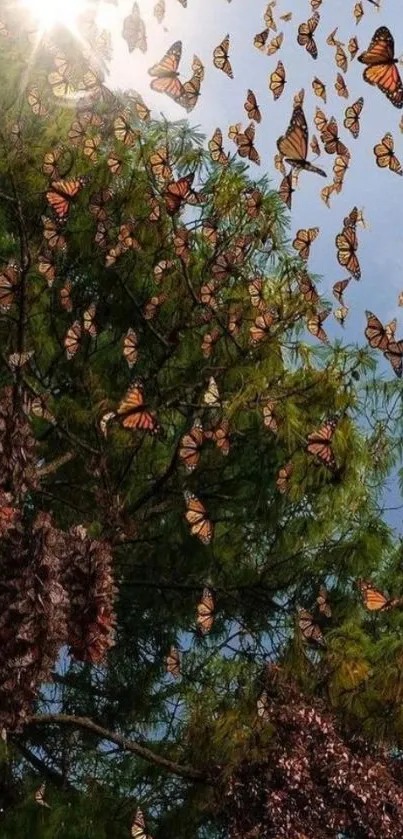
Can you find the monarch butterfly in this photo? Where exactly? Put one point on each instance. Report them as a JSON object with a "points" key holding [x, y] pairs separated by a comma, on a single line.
{"points": [[347, 244], [303, 240], [152, 305], [358, 12], [279, 164], [40, 796], [62, 193], [113, 255], [161, 268], [130, 347], [305, 35], [319, 88], [269, 19], [286, 188], [283, 477], [72, 339], [209, 340], [64, 296], [314, 325], [331, 39], [97, 203], [221, 57], [90, 147], [341, 58], [319, 443], [234, 320], [134, 30], [45, 267], [115, 163], [198, 67], [320, 120], [341, 87], [126, 238], [101, 235], [254, 203], [385, 156], [196, 517], [307, 288], [191, 92], [340, 167], [142, 111], [209, 231], [211, 396], [35, 102], [173, 662], [341, 313], [390, 329], [326, 193], [275, 44], [314, 145], [287, 17], [49, 165], [88, 320], [323, 602], [245, 143], [269, 416], [373, 599], [189, 449], [155, 213], [137, 830], [375, 332], [216, 149], [330, 139], [18, 359], [135, 415], [159, 10], [298, 99], [339, 289], [352, 117], [160, 165], [219, 436], [309, 629], [251, 107], [381, 69], [261, 327], [394, 354], [8, 282], [76, 133], [255, 289], [61, 80], [177, 193], [262, 706], [353, 47], [205, 612], [181, 244], [316, 4], [122, 130], [260, 39], [293, 145], [277, 80]]}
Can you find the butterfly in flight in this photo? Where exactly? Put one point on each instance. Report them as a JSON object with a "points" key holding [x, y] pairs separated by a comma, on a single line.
{"points": [[277, 80], [252, 108], [303, 240], [62, 193], [293, 145], [190, 444], [165, 73], [323, 602], [196, 517], [381, 69], [173, 662], [205, 612], [305, 35], [385, 156], [221, 57], [373, 599], [352, 117], [134, 412], [134, 30], [346, 245], [309, 629], [319, 443]]}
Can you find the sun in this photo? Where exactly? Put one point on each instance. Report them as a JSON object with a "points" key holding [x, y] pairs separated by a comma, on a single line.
{"points": [[49, 13]]}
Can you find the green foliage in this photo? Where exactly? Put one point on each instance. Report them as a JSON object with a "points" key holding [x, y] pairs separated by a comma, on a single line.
{"points": [[270, 551]]}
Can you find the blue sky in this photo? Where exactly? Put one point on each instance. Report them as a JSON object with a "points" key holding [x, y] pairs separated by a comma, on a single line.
{"points": [[379, 192]]}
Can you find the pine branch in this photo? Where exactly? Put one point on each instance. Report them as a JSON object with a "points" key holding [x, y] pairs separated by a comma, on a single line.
{"points": [[182, 771]]}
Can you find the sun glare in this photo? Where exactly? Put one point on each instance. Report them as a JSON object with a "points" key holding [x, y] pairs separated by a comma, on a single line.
{"points": [[49, 13]]}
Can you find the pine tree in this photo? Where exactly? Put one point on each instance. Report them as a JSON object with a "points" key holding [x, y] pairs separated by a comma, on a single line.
{"points": [[162, 379]]}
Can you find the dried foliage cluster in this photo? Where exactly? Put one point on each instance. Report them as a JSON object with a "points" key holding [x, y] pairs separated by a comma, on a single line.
{"points": [[56, 588]]}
